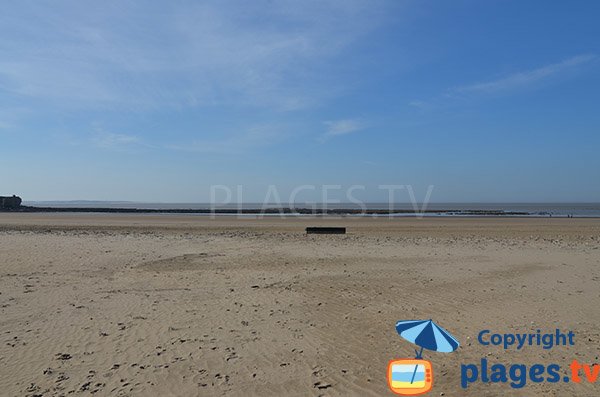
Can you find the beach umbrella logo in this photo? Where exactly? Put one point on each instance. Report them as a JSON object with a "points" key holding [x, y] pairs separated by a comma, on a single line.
{"points": [[411, 377]]}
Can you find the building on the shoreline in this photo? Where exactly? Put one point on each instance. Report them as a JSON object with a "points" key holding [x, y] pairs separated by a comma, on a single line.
{"points": [[7, 202]]}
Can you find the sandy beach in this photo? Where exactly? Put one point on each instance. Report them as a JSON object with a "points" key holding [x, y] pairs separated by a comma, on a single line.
{"points": [[155, 305]]}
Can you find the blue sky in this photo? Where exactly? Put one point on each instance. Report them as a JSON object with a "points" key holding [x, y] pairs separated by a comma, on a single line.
{"points": [[157, 101]]}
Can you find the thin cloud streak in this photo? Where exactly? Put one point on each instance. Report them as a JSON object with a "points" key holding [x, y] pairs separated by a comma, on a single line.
{"points": [[109, 140], [252, 138], [527, 78], [510, 84], [341, 127]]}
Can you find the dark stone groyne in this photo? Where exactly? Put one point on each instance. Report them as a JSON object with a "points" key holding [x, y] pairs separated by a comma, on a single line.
{"points": [[269, 211], [13, 204]]}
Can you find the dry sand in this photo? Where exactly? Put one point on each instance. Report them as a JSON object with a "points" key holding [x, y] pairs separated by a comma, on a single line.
{"points": [[187, 305]]}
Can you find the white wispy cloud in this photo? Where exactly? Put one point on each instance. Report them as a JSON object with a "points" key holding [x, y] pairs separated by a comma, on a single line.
{"points": [[258, 53], [526, 78], [419, 104], [506, 85], [251, 138], [341, 127], [109, 140]]}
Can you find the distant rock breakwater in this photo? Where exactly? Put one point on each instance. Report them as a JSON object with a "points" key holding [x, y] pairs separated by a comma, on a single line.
{"points": [[270, 211]]}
